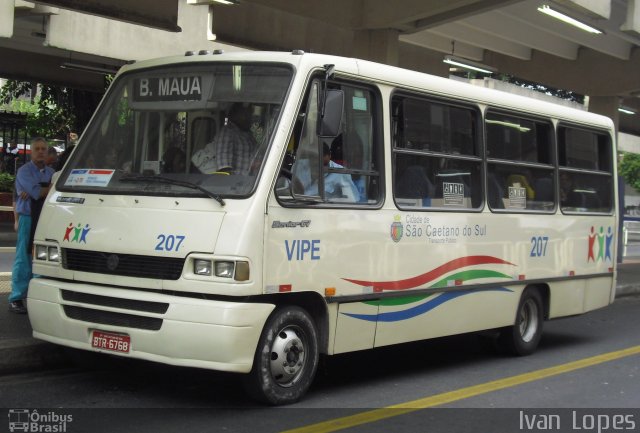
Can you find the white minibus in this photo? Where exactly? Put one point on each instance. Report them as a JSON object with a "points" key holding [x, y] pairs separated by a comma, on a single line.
{"points": [[250, 212]]}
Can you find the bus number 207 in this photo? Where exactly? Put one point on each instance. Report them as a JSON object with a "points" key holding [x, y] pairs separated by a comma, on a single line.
{"points": [[539, 246], [169, 242]]}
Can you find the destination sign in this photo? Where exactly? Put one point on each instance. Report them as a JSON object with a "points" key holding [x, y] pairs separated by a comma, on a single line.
{"points": [[181, 88]]}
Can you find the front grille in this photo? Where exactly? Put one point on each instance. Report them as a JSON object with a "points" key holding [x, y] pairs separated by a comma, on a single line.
{"points": [[111, 318], [127, 265], [108, 301]]}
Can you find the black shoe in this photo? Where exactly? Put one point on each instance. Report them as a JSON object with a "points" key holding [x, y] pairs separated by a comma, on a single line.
{"points": [[17, 307]]}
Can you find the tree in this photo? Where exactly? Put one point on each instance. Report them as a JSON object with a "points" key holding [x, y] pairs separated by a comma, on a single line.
{"points": [[630, 169], [52, 111], [48, 113]]}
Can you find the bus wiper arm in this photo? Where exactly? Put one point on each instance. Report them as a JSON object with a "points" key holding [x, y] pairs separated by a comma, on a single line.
{"points": [[160, 179]]}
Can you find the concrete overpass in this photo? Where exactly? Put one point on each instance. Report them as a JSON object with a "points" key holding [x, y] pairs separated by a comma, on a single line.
{"points": [[73, 42]]}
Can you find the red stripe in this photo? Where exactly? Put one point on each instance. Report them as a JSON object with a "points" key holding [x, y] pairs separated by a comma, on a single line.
{"points": [[431, 275], [100, 171]]}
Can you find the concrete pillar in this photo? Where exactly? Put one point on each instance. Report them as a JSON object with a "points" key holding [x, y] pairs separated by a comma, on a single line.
{"points": [[6, 18], [632, 22], [419, 59], [90, 34], [598, 7], [607, 106], [377, 45]]}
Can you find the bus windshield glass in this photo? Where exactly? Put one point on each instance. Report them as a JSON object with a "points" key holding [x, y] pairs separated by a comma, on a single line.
{"points": [[182, 131]]}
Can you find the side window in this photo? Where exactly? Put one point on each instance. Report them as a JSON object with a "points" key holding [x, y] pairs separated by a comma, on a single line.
{"points": [[520, 168], [436, 155], [348, 163], [585, 160]]}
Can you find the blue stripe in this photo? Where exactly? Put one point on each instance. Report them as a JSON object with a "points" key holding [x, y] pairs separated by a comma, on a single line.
{"points": [[396, 316]]}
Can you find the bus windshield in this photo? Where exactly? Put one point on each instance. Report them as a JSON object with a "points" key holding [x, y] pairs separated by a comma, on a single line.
{"points": [[190, 130]]}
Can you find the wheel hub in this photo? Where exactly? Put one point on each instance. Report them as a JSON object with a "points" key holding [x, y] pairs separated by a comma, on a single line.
{"points": [[528, 320], [287, 357]]}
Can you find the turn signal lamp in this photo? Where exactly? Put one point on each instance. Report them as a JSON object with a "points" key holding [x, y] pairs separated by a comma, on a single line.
{"points": [[242, 271]]}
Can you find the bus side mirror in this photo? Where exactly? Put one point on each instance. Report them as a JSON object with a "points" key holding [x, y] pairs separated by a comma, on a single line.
{"points": [[331, 113]]}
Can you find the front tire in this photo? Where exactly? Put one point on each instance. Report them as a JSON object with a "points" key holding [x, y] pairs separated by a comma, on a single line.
{"points": [[286, 358], [523, 337]]}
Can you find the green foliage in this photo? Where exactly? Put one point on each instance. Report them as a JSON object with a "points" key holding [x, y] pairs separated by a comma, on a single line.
{"points": [[6, 182], [629, 168], [547, 90], [48, 115]]}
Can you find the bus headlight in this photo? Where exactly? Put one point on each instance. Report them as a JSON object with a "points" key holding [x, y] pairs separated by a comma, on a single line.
{"points": [[53, 254], [221, 269], [46, 253], [202, 267], [225, 269], [41, 252]]}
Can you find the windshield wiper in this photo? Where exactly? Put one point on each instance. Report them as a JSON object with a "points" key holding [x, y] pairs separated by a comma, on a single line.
{"points": [[167, 180]]}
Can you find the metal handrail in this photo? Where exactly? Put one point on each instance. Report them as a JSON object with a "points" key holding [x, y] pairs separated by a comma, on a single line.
{"points": [[625, 235]]}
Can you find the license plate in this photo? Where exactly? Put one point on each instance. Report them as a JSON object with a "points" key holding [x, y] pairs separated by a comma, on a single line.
{"points": [[108, 341]]}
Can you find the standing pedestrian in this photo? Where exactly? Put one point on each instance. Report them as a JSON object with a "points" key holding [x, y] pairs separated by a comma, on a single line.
{"points": [[32, 186]]}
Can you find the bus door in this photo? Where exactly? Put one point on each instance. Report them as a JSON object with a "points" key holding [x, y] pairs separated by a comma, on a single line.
{"points": [[320, 227]]}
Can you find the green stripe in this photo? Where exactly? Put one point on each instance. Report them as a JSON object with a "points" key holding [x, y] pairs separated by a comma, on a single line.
{"points": [[470, 275], [463, 276], [398, 301]]}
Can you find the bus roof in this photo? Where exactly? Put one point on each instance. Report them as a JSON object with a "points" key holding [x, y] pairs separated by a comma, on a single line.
{"points": [[394, 76]]}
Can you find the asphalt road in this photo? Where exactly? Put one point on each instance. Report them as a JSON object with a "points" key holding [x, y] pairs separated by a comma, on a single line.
{"points": [[445, 373]]}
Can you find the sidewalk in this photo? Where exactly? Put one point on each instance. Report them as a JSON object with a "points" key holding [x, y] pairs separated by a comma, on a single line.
{"points": [[7, 235], [628, 277], [20, 352]]}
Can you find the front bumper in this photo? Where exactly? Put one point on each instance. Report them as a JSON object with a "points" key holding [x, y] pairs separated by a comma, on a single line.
{"points": [[192, 332]]}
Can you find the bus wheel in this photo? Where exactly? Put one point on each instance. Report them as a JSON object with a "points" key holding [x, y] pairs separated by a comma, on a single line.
{"points": [[286, 358], [523, 337]]}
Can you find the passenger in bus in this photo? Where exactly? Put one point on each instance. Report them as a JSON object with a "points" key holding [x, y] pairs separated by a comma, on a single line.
{"points": [[351, 155], [413, 183], [174, 161], [115, 158], [336, 185], [568, 196], [522, 181], [233, 148], [496, 192]]}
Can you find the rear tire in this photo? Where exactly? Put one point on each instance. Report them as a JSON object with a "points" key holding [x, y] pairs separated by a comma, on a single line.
{"points": [[523, 337], [286, 358]]}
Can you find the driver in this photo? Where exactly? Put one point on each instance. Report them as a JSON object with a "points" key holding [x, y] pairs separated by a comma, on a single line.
{"points": [[233, 147]]}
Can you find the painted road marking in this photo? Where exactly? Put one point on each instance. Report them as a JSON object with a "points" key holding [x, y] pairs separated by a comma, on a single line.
{"points": [[460, 394]]}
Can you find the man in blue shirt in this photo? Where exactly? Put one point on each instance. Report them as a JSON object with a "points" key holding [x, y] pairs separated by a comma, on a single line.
{"points": [[32, 186], [336, 185]]}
